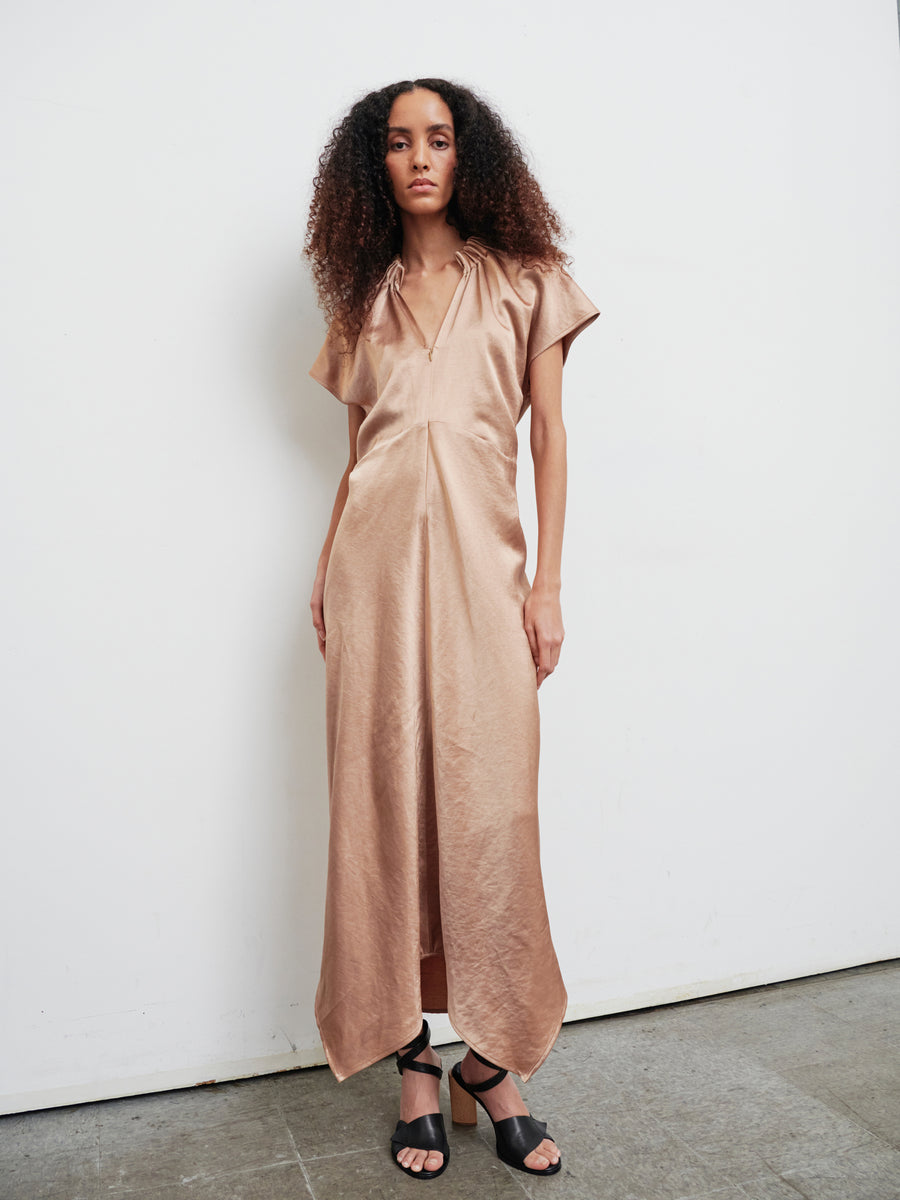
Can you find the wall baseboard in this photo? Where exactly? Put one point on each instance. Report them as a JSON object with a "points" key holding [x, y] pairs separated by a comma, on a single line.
{"points": [[442, 1034]]}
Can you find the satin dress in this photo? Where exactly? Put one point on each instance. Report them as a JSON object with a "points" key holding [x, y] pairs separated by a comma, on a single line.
{"points": [[435, 899]]}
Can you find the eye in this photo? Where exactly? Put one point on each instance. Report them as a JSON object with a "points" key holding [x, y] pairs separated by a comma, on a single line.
{"points": [[441, 144], [397, 144]]}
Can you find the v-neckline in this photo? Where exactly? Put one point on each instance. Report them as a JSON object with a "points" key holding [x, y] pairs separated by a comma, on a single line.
{"points": [[396, 281]]}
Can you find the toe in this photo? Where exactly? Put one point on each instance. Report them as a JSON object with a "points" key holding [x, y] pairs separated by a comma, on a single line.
{"points": [[550, 1149], [542, 1156], [419, 1160], [536, 1161]]}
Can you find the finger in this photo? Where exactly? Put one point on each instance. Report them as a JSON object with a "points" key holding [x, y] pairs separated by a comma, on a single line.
{"points": [[533, 643], [319, 626], [548, 659]]}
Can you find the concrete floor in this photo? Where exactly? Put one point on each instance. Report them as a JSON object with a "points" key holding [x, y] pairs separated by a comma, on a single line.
{"points": [[773, 1093]]}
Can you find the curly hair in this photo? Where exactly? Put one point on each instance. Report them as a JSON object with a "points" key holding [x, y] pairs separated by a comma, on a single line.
{"points": [[354, 230]]}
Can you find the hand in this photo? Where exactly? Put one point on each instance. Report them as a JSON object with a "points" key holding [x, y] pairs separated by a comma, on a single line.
{"points": [[315, 605], [544, 627]]}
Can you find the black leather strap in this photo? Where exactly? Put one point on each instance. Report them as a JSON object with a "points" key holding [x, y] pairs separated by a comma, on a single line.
{"points": [[518, 1136], [486, 1086], [485, 1062], [424, 1133], [406, 1060], [422, 1068]]}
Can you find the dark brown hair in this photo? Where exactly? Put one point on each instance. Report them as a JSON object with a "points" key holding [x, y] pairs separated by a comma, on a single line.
{"points": [[354, 231]]}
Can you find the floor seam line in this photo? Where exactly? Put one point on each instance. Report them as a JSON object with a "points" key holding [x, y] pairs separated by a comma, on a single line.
{"points": [[300, 1161], [342, 1153]]}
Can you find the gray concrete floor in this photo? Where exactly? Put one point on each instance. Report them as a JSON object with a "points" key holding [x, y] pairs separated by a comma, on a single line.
{"points": [[773, 1093]]}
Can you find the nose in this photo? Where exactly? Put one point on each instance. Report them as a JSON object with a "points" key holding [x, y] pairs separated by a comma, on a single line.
{"points": [[420, 157]]}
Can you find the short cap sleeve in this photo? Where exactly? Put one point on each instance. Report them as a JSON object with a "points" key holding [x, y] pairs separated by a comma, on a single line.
{"points": [[335, 368], [561, 311]]}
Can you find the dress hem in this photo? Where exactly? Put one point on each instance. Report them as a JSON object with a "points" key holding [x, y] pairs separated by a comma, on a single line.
{"points": [[473, 1044], [341, 1076], [541, 1059]]}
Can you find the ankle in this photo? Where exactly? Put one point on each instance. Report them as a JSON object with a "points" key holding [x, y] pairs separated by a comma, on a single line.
{"points": [[476, 1070]]}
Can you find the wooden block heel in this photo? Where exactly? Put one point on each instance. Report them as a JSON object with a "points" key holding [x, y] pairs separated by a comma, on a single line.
{"points": [[463, 1110]]}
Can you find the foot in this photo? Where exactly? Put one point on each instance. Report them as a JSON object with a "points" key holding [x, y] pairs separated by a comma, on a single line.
{"points": [[419, 1095], [504, 1101]]}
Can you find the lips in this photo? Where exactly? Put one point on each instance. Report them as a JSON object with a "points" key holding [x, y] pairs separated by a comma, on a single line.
{"points": [[421, 185]]}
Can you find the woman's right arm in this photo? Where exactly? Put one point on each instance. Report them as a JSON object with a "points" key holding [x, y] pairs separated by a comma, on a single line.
{"points": [[355, 417]]}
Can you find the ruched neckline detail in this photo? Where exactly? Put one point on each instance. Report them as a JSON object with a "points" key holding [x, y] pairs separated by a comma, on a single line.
{"points": [[472, 252]]}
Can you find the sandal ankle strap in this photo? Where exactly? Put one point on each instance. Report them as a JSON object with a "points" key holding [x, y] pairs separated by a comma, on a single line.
{"points": [[500, 1075], [406, 1061], [484, 1061]]}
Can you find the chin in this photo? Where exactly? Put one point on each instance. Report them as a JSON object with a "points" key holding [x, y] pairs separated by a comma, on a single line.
{"points": [[415, 204]]}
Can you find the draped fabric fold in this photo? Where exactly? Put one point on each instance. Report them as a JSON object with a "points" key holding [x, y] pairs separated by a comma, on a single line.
{"points": [[435, 898]]}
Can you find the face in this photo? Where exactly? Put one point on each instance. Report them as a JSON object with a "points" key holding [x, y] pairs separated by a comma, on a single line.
{"points": [[421, 152]]}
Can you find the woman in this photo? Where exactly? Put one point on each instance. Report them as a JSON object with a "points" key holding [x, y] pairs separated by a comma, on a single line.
{"points": [[436, 260]]}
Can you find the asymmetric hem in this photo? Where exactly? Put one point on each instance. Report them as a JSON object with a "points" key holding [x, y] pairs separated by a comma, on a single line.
{"points": [[524, 1073]]}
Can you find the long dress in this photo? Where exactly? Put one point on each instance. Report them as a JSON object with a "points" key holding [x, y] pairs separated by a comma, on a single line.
{"points": [[435, 899]]}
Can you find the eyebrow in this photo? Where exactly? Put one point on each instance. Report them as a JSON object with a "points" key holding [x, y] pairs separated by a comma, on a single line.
{"points": [[431, 128]]}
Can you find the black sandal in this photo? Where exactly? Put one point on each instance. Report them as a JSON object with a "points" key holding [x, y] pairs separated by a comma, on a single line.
{"points": [[424, 1133], [516, 1136]]}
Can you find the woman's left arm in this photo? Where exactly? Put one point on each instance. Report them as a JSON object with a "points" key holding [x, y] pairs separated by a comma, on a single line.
{"points": [[542, 613]]}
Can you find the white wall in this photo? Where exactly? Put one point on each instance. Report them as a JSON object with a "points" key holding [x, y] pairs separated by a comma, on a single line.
{"points": [[720, 756]]}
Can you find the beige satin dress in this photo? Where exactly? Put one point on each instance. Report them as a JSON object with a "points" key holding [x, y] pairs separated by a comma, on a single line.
{"points": [[435, 900]]}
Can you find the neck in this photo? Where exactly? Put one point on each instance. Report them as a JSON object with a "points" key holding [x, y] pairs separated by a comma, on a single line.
{"points": [[429, 243]]}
